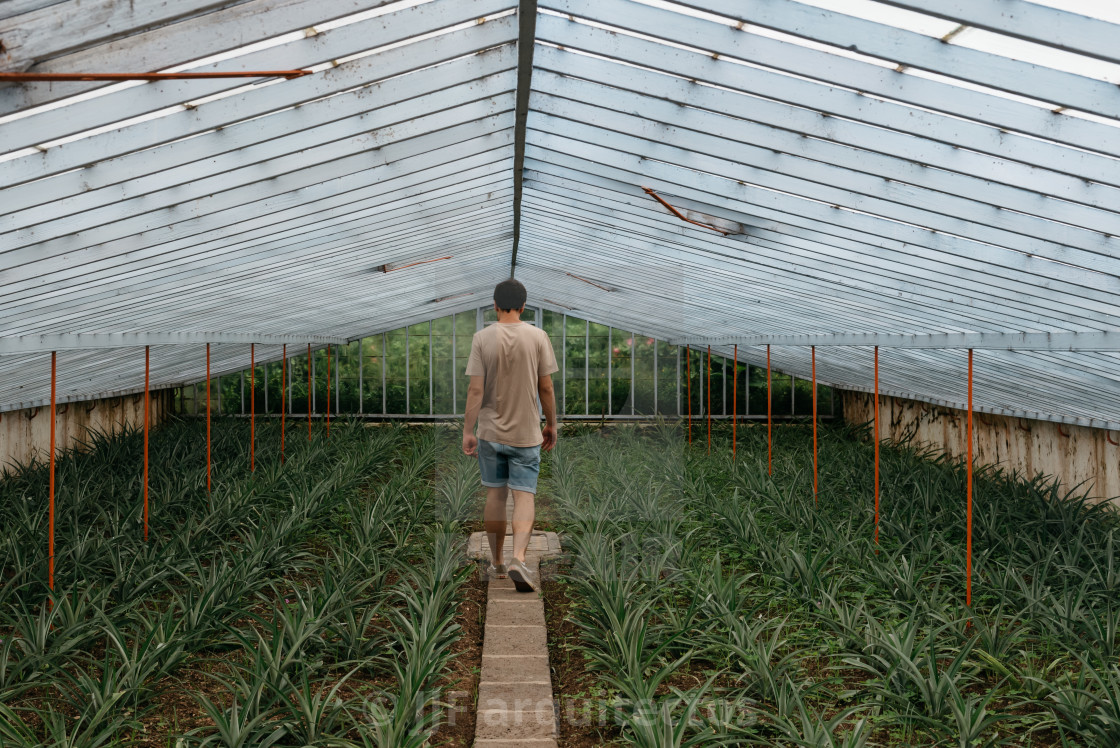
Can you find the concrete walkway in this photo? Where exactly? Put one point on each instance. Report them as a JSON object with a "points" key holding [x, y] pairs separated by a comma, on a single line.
{"points": [[515, 706]]}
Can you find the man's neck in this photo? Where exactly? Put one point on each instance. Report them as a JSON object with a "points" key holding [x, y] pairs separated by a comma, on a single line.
{"points": [[509, 318]]}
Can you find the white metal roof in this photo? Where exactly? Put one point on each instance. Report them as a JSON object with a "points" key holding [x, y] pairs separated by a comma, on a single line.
{"points": [[886, 169]]}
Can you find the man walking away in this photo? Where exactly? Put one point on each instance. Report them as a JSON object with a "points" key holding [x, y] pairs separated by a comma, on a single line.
{"points": [[510, 367]]}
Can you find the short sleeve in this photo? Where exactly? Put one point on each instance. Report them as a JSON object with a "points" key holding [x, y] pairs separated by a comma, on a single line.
{"points": [[546, 361], [474, 363]]}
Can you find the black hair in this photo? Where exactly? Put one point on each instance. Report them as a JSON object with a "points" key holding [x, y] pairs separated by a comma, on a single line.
{"points": [[510, 295]]}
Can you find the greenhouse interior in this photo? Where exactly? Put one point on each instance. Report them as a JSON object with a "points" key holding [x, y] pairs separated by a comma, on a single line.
{"points": [[814, 334]]}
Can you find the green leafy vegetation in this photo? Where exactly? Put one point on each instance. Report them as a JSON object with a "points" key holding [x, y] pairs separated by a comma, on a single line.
{"points": [[719, 605], [309, 603]]}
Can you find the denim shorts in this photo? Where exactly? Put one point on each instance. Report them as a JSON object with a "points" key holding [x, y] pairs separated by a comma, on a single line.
{"points": [[503, 465]]}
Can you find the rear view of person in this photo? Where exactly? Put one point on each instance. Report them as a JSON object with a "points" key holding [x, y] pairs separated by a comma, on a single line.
{"points": [[510, 367]]}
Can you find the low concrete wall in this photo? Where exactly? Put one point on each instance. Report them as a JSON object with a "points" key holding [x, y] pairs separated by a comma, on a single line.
{"points": [[26, 433], [1026, 446]]}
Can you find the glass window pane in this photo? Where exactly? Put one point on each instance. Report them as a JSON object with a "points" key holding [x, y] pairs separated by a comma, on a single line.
{"points": [[297, 370], [622, 343], [575, 395], [231, 393], [371, 374], [395, 372], [667, 378], [418, 368], [598, 357], [644, 346]]}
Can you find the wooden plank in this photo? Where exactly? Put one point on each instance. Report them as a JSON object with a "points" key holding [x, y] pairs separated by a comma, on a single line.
{"points": [[19, 7], [63, 28], [188, 39]]}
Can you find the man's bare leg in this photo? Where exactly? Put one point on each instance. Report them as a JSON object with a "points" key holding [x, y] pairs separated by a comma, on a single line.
{"points": [[494, 521], [523, 515]]}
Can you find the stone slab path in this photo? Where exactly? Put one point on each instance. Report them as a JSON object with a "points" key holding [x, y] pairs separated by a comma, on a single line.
{"points": [[515, 706]]}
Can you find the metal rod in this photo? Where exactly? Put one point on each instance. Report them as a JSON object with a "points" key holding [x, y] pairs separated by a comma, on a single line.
{"points": [[680, 215], [207, 418], [564, 365], [454, 369], [633, 349], [610, 370], [678, 381], [431, 372], [407, 373], [50, 500], [147, 426], [816, 483], [64, 77], [384, 359], [734, 400], [688, 379], [328, 390], [709, 408], [656, 374], [769, 419], [252, 407], [361, 375], [968, 469], [283, 404], [876, 439], [308, 392], [586, 367]]}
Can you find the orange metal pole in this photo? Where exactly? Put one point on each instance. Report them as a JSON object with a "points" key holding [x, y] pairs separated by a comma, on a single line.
{"points": [[769, 419], [308, 392], [968, 552], [147, 371], [50, 510], [688, 378], [709, 399], [283, 399], [328, 390], [252, 408], [876, 438], [816, 483], [207, 418], [57, 77], [734, 399]]}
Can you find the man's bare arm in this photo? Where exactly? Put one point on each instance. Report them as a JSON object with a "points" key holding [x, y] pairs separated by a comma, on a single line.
{"points": [[548, 405], [474, 404]]}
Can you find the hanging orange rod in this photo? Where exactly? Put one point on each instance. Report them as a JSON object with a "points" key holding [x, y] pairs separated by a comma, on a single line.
{"points": [[147, 426], [283, 399], [816, 489], [252, 408], [734, 399], [76, 77], [680, 215]]}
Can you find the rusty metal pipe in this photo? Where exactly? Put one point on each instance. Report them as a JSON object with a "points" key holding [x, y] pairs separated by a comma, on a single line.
{"points": [[77, 77]]}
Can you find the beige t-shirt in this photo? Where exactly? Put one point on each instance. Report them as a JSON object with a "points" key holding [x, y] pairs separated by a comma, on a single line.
{"points": [[510, 358]]}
